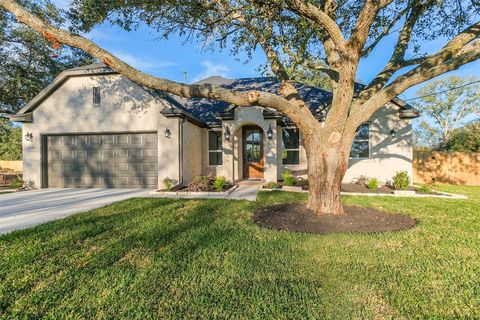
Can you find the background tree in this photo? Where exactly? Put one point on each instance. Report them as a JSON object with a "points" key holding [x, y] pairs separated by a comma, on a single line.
{"points": [[27, 65], [338, 33], [465, 139], [11, 143], [446, 105]]}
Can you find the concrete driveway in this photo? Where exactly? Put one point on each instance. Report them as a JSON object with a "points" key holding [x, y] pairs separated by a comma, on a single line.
{"points": [[20, 210]]}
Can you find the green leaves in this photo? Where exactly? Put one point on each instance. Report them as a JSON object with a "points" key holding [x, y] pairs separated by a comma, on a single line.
{"points": [[28, 62]]}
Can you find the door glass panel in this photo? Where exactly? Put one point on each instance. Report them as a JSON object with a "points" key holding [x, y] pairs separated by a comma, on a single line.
{"points": [[253, 145]]}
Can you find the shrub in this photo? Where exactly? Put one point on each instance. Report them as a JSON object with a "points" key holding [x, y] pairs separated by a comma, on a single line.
{"points": [[16, 183], [168, 183], [360, 180], [199, 183], [373, 184], [272, 185], [219, 183], [424, 189], [288, 178], [301, 182], [401, 180]]}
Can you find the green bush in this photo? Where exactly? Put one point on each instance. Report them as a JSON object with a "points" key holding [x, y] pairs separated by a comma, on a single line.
{"points": [[272, 185], [168, 183], [424, 189], [301, 182], [288, 178], [16, 183], [373, 184], [219, 183], [401, 180], [199, 183]]}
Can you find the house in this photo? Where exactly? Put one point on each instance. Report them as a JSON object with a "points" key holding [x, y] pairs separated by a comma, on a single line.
{"points": [[92, 127]]}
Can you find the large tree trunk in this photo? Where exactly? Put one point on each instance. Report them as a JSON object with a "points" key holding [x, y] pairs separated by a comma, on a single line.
{"points": [[326, 169]]}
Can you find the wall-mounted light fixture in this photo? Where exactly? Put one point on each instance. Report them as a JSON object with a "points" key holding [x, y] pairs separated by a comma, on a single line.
{"points": [[227, 134], [392, 133], [269, 133], [28, 136], [168, 133]]}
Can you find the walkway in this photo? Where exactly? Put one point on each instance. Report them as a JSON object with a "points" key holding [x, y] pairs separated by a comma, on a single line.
{"points": [[21, 210], [247, 190]]}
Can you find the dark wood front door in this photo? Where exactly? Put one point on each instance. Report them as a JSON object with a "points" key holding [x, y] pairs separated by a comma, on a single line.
{"points": [[253, 163]]}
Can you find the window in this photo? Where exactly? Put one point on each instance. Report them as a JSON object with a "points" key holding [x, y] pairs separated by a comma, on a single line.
{"points": [[361, 143], [290, 146], [96, 96], [215, 157]]}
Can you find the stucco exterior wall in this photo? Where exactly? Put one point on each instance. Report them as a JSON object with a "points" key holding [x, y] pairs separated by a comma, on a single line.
{"points": [[192, 151], [232, 164], [387, 155], [124, 107]]}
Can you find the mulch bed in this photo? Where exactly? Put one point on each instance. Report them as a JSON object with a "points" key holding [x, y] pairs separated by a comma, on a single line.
{"points": [[296, 217]]}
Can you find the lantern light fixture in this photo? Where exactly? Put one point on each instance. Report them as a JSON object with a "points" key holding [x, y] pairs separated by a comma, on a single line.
{"points": [[270, 132], [227, 134], [168, 133], [28, 136]]}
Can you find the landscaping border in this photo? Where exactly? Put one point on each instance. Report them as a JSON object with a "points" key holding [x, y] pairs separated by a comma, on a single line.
{"points": [[442, 195], [199, 193]]}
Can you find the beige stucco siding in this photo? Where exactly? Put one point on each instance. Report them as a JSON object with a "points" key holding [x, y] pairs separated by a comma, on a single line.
{"points": [[124, 107], [387, 155], [192, 151]]}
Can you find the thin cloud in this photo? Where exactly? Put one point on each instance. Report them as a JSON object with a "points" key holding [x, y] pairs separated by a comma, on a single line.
{"points": [[143, 63], [212, 69]]}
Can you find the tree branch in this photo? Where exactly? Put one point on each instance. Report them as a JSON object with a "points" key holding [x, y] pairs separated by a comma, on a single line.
{"points": [[312, 12], [446, 60], [239, 98], [364, 22]]}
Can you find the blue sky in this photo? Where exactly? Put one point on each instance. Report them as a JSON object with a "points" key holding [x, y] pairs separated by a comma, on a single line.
{"points": [[172, 58]]}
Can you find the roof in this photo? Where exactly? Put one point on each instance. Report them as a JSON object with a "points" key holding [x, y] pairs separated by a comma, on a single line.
{"points": [[206, 111]]}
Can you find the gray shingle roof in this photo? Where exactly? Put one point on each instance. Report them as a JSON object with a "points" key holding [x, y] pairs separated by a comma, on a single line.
{"points": [[206, 110]]}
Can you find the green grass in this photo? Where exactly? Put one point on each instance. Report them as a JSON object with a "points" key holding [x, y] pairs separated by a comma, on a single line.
{"points": [[164, 258]]}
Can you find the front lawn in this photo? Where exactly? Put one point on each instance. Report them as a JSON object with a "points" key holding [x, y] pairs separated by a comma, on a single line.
{"points": [[165, 258]]}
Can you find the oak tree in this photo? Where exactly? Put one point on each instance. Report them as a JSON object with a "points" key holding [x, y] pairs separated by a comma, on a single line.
{"points": [[336, 33]]}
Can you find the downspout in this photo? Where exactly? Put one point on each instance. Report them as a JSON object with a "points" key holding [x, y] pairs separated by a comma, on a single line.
{"points": [[180, 152]]}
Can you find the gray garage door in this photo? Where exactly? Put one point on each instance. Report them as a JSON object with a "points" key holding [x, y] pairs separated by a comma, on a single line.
{"points": [[122, 160]]}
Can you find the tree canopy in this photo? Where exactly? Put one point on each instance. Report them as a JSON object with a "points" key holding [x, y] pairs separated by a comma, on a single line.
{"points": [[446, 105], [27, 61]]}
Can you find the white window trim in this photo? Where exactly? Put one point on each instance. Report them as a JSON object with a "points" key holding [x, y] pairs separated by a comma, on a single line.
{"points": [[217, 151], [299, 146], [369, 143]]}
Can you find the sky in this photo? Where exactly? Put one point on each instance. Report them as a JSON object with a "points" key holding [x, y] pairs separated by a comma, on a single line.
{"points": [[176, 60]]}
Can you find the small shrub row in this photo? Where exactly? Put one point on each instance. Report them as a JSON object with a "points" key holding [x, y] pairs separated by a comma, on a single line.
{"points": [[208, 183]]}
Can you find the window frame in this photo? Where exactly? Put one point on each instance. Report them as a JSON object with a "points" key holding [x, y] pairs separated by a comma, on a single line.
{"points": [[290, 149], [368, 140], [216, 150], [96, 96]]}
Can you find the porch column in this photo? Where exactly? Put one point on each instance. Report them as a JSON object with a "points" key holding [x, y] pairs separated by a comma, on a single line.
{"points": [[228, 154], [270, 150]]}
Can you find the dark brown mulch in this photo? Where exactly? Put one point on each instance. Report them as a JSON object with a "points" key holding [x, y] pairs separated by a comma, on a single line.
{"points": [[296, 217]]}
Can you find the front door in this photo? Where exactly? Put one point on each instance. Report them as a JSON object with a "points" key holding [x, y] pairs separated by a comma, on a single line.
{"points": [[253, 164]]}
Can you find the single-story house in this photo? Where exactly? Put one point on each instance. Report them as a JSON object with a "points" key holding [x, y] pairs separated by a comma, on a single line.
{"points": [[92, 127]]}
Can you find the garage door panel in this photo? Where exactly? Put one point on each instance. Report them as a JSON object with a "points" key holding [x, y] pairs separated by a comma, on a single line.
{"points": [[108, 160]]}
